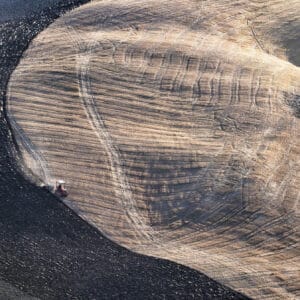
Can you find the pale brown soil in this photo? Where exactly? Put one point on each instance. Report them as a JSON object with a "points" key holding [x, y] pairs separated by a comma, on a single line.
{"points": [[176, 127]]}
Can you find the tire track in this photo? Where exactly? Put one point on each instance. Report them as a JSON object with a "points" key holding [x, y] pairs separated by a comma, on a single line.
{"points": [[28, 146], [123, 191]]}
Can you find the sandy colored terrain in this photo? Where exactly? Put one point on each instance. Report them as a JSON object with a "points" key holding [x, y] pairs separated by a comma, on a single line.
{"points": [[176, 127]]}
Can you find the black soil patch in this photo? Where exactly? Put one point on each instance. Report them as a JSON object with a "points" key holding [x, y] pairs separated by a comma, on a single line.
{"points": [[46, 250]]}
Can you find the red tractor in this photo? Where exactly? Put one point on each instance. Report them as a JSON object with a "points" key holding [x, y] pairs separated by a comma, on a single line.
{"points": [[60, 189]]}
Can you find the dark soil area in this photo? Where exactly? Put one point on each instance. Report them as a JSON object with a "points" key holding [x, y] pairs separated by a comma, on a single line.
{"points": [[46, 250]]}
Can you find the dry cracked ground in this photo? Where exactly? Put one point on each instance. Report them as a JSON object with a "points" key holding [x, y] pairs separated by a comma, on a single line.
{"points": [[176, 127]]}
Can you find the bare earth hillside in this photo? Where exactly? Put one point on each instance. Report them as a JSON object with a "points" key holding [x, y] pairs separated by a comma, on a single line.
{"points": [[176, 126]]}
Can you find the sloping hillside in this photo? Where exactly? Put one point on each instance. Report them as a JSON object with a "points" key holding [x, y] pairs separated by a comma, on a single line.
{"points": [[176, 127]]}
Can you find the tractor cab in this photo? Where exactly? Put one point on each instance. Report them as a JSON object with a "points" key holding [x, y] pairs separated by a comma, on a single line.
{"points": [[60, 189]]}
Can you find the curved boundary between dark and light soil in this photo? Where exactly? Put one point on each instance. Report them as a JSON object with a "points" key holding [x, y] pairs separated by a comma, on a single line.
{"points": [[48, 251]]}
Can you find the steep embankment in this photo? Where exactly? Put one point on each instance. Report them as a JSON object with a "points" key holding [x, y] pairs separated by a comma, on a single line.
{"points": [[176, 127]]}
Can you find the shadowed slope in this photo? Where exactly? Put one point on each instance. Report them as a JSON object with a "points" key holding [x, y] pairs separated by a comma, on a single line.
{"points": [[176, 127]]}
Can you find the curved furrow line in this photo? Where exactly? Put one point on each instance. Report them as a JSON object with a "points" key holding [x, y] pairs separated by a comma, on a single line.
{"points": [[41, 167], [128, 204]]}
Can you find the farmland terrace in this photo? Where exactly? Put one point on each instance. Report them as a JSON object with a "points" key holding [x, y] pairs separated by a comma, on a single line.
{"points": [[176, 127]]}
